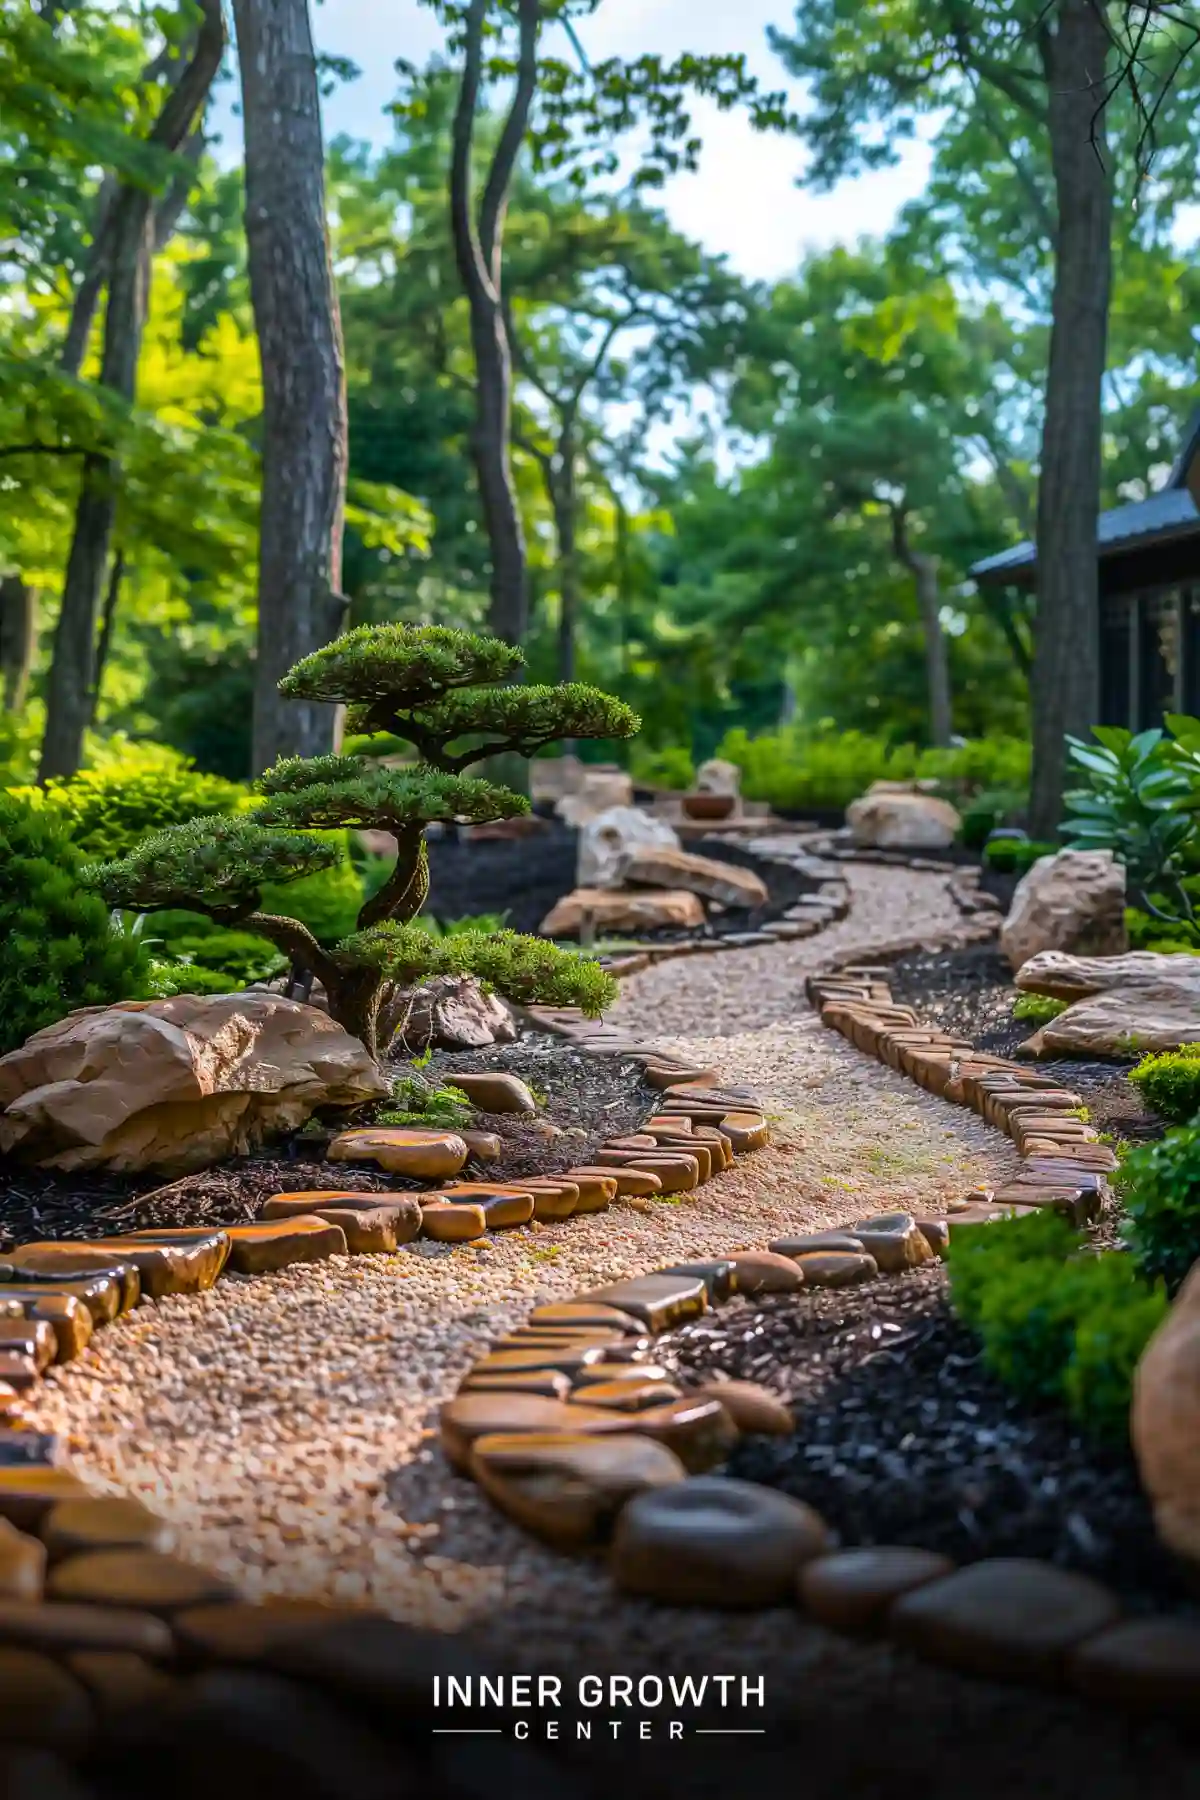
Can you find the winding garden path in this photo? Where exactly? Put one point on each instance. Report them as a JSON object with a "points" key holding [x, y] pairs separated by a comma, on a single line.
{"points": [[284, 1424]]}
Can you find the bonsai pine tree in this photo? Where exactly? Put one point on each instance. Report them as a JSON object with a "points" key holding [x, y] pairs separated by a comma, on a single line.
{"points": [[438, 690]]}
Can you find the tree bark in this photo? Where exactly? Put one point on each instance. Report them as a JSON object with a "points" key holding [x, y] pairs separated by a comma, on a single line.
{"points": [[108, 618], [478, 255], [18, 640], [130, 237], [1075, 47], [304, 426], [565, 507], [924, 570]]}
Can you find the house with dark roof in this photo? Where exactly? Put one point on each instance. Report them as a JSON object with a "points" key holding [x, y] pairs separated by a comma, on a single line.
{"points": [[1149, 624]]}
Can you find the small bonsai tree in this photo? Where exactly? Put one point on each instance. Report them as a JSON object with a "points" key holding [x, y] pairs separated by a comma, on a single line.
{"points": [[435, 688]]}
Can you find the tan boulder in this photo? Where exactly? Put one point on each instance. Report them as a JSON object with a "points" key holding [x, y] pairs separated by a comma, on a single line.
{"points": [[888, 817], [1165, 1422], [716, 776], [1071, 978], [669, 909], [655, 866], [1121, 1021], [1074, 900], [614, 834], [176, 1085], [451, 1012], [596, 791]]}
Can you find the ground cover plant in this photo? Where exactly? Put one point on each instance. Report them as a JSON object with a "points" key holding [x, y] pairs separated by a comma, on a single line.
{"points": [[1160, 1188], [439, 690]]}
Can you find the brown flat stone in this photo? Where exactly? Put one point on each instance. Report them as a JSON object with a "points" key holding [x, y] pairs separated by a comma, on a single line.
{"points": [[22, 1564], [635, 1140], [14, 1406], [659, 1301], [73, 1262], [569, 1360], [936, 1233], [58, 1628], [664, 1075], [1147, 1665], [476, 1415], [277, 1243], [448, 1224], [100, 1294], [495, 1092], [718, 1273], [568, 1489], [103, 1523], [762, 1272], [241, 1631], [852, 1590], [746, 1131], [40, 1703], [552, 1198], [67, 1317], [573, 1314], [715, 1542], [482, 1146], [27, 1493], [33, 1338], [969, 1217], [597, 1187], [1011, 1618], [817, 1243], [835, 1268], [120, 1682], [699, 1431], [18, 1371], [538, 1337], [751, 1407], [677, 1172], [168, 1266], [701, 1153], [374, 1230], [627, 1395], [423, 1155], [137, 1579], [502, 1207], [641, 1183], [551, 1383], [895, 1241]]}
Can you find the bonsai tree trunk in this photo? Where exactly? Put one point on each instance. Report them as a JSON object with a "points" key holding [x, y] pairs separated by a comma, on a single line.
{"points": [[924, 570], [478, 255], [304, 431], [130, 238], [1066, 649]]}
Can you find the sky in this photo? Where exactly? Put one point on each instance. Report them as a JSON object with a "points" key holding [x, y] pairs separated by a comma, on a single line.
{"points": [[742, 202]]}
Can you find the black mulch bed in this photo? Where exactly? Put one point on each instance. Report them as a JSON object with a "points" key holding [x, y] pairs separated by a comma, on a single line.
{"points": [[523, 877], [903, 1437], [588, 1098], [971, 992]]}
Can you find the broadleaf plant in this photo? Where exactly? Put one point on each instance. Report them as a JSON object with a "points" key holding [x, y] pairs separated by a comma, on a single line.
{"points": [[1139, 802], [428, 686]]}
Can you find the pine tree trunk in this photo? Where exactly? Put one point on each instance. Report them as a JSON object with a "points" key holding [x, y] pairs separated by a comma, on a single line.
{"points": [[18, 640], [304, 427], [491, 453], [1066, 632], [565, 503]]}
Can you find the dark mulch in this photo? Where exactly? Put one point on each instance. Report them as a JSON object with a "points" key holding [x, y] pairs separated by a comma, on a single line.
{"points": [[588, 1099], [523, 877], [903, 1436], [971, 992]]}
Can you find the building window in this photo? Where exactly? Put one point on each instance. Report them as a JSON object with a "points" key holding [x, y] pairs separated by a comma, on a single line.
{"points": [[1158, 658]]}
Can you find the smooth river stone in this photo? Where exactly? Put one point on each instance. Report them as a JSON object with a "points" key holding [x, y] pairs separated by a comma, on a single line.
{"points": [[243, 1631], [423, 1155], [745, 1131], [14, 1407], [896, 1242], [22, 1564], [167, 1266], [1147, 1665], [144, 1580], [502, 1206], [659, 1301], [552, 1199], [18, 1370], [686, 1144], [597, 1188], [835, 1268], [569, 1360], [100, 1294], [700, 1432], [41, 1625], [277, 1243], [482, 1146], [1011, 1618], [715, 1542], [623, 1395], [41, 1704], [326, 1203], [816, 1242], [374, 1230], [67, 1317], [28, 1491], [718, 1273], [751, 1407], [494, 1092], [73, 1262], [677, 1174], [476, 1415], [550, 1383], [120, 1682], [852, 1590], [762, 1272], [33, 1338], [568, 1489], [448, 1224], [103, 1523], [718, 1144], [574, 1314]]}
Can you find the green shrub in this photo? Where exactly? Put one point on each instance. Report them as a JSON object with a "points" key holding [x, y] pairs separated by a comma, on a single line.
{"points": [[1170, 937], [110, 809], [1141, 796], [60, 950], [165, 978], [238, 957], [1037, 1009], [1059, 1324], [1160, 1186], [1014, 856], [671, 767], [989, 811], [1170, 1081], [794, 768]]}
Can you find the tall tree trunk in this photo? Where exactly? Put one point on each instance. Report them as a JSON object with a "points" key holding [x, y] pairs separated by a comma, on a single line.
{"points": [[108, 618], [130, 238], [18, 640], [1075, 48], [924, 570], [478, 256], [565, 512], [304, 434]]}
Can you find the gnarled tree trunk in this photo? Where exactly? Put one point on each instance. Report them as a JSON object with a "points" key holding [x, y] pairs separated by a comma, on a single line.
{"points": [[304, 428], [1075, 48]]}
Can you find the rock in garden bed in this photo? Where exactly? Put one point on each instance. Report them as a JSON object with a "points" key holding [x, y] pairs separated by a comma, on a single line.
{"points": [[903, 1437]]}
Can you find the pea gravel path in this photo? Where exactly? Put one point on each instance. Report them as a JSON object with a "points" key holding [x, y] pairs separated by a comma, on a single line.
{"points": [[285, 1424]]}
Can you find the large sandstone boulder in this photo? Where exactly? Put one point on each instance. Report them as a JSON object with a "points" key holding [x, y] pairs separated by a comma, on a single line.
{"points": [[1065, 977], [1074, 900], [176, 1085], [1122, 1021], [597, 792], [1165, 1422], [659, 866], [606, 910], [891, 817], [611, 836]]}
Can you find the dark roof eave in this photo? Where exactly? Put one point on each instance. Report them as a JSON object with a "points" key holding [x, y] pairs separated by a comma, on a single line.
{"points": [[1024, 573]]}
